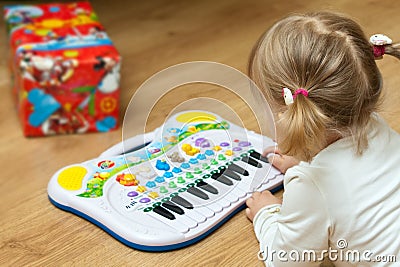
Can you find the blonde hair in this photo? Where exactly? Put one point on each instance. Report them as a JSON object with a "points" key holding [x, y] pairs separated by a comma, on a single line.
{"points": [[328, 55]]}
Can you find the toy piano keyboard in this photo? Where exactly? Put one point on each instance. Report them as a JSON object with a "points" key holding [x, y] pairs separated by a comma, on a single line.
{"points": [[174, 187]]}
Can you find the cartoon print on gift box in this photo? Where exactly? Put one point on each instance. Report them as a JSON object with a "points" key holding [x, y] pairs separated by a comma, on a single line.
{"points": [[98, 33], [63, 122], [48, 71], [54, 49], [44, 105], [110, 80], [21, 15], [51, 117], [108, 84]]}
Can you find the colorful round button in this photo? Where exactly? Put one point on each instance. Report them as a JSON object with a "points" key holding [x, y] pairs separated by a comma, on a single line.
{"points": [[197, 170], [168, 174], [148, 209], [244, 143], [209, 152], [206, 166], [193, 161], [150, 184], [160, 179], [185, 165], [181, 180], [157, 204], [201, 157], [176, 170], [144, 200], [132, 194], [221, 157], [163, 189]]}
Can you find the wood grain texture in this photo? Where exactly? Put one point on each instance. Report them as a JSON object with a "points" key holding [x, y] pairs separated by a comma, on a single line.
{"points": [[151, 35]]}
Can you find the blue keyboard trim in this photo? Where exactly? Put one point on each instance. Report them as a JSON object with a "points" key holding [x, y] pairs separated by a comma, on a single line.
{"points": [[154, 248]]}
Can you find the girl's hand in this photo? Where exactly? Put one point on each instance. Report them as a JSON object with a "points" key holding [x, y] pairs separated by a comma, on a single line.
{"points": [[279, 161], [259, 200]]}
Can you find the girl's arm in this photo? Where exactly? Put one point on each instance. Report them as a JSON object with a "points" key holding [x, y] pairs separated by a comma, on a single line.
{"points": [[299, 228]]}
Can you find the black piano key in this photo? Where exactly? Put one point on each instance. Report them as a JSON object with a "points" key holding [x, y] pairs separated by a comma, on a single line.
{"points": [[252, 162], [258, 156], [232, 175], [172, 207], [207, 187], [216, 175], [197, 192], [238, 169], [181, 201], [221, 178], [163, 212]]}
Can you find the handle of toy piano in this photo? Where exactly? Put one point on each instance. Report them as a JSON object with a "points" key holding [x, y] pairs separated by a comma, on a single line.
{"points": [[129, 145]]}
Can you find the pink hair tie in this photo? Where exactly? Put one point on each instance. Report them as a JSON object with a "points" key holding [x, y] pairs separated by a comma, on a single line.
{"points": [[379, 42], [379, 51], [288, 97], [301, 91]]}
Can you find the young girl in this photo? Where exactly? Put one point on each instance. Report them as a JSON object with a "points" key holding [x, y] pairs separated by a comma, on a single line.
{"points": [[341, 160]]}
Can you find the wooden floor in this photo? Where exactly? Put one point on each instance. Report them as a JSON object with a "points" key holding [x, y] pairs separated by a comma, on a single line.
{"points": [[151, 35]]}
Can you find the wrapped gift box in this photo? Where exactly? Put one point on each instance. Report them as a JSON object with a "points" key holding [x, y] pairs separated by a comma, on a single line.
{"points": [[65, 69]]}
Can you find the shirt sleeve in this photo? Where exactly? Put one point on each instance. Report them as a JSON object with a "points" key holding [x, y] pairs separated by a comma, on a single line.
{"points": [[296, 233]]}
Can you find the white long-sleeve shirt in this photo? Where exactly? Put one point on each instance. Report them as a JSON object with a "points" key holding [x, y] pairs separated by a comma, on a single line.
{"points": [[339, 201]]}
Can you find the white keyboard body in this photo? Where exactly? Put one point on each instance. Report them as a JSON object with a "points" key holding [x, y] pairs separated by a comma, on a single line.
{"points": [[137, 196]]}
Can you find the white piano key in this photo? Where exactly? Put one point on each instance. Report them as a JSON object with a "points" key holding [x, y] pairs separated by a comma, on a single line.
{"points": [[215, 207], [208, 213], [186, 220], [235, 194], [194, 215], [238, 192], [223, 201], [232, 198], [177, 225]]}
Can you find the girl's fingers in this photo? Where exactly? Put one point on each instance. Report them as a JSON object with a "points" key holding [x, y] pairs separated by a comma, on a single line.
{"points": [[266, 192], [248, 212], [271, 149], [249, 201], [277, 162]]}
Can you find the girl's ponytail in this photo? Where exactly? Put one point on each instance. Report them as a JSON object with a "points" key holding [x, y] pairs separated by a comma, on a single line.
{"points": [[305, 128], [393, 50]]}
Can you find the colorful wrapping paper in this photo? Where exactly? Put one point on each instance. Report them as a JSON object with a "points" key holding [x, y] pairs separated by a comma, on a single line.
{"points": [[65, 69]]}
